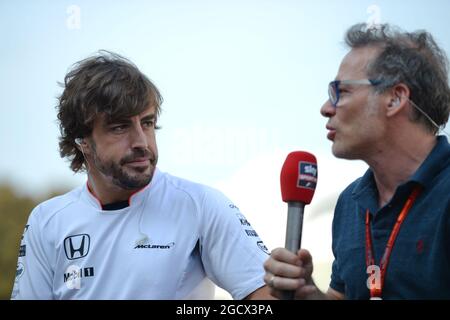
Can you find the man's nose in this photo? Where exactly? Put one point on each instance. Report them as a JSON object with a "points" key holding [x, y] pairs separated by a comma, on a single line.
{"points": [[328, 110], [139, 138]]}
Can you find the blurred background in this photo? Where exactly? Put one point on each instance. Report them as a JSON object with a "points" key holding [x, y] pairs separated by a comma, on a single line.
{"points": [[243, 82]]}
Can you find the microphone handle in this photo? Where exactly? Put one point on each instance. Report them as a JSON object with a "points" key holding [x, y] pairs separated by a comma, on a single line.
{"points": [[293, 235]]}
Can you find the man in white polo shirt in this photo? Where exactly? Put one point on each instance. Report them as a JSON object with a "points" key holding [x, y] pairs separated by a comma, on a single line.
{"points": [[132, 231]]}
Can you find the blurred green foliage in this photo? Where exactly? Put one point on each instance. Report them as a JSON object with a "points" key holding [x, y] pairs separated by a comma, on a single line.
{"points": [[14, 212]]}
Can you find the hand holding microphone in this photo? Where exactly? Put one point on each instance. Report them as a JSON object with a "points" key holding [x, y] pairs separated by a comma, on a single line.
{"points": [[298, 181]]}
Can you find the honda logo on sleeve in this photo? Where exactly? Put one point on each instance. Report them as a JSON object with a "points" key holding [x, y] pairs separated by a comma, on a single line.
{"points": [[77, 246]]}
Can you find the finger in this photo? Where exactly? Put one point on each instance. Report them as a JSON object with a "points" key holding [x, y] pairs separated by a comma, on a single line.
{"points": [[284, 255], [305, 256], [282, 269], [305, 259]]}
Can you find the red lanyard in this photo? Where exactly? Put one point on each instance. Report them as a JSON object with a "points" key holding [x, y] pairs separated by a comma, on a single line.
{"points": [[370, 257]]}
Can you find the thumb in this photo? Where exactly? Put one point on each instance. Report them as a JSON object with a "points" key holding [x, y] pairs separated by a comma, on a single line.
{"points": [[306, 263], [305, 257]]}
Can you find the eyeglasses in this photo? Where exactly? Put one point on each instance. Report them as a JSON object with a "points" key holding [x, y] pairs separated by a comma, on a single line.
{"points": [[334, 91]]}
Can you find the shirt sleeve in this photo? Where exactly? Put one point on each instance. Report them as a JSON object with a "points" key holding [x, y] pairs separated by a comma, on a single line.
{"points": [[336, 282], [34, 273], [232, 252]]}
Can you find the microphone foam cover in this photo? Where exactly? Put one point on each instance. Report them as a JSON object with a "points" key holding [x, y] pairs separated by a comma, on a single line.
{"points": [[298, 177]]}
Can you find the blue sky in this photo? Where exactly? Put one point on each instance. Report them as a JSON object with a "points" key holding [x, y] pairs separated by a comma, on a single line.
{"points": [[243, 82]]}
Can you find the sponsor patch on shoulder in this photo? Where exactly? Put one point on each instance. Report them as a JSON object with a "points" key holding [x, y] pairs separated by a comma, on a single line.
{"points": [[251, 233], [23, 250], [24, 231], [243, 220], [20, 270], [263, 247]]}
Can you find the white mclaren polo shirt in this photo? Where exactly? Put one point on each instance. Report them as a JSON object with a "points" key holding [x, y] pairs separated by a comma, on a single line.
{"points": [[173, 235]]}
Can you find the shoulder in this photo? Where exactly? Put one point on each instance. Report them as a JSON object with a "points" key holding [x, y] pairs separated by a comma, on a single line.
{"points": [[444, 176], [443, 185], [209, 205], [198, 192], [48, 209]]}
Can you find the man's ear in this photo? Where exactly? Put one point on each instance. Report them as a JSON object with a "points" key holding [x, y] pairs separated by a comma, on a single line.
{"points": [[82, 145], [397, 99]]}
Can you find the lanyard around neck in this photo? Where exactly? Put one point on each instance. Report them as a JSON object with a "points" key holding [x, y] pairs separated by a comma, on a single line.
{"points": [[375, 292]]}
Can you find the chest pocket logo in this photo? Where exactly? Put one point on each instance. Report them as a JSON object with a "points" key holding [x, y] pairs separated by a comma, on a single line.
{"points": [[77, 246]]}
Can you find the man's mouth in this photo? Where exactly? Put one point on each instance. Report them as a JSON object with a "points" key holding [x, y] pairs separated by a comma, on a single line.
{"points": [[331, 133], [138, 162]]}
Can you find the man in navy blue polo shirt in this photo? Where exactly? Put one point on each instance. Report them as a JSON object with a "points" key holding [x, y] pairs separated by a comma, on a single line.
{"points": [[391, 227]]}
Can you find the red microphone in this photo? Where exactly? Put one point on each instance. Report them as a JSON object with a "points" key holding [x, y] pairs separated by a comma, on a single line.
{"points": [[298, 181]]}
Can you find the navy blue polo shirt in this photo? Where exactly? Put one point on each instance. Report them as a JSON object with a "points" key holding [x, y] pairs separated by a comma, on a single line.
{"points": [[419, 266]]}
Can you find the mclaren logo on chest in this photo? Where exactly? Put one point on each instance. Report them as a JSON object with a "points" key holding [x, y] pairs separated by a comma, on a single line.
{"points": [[77, 246], [155, 246]]}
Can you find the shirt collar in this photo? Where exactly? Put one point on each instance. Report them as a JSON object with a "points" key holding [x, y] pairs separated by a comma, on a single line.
{"points": [[437, 160], [134, 200], [365, 190]]}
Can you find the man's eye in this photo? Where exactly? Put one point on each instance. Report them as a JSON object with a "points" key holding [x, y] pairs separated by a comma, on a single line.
{"points": [[149, 123], [118, 128]]}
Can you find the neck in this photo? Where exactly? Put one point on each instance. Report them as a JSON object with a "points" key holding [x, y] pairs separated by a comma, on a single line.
{"points": [[107, 192], [397, 160]]}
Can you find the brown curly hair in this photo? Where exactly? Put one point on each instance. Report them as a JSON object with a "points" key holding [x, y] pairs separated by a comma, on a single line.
{"points": [[105, 83]]}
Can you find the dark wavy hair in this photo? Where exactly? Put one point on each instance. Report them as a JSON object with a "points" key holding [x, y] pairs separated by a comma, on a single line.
{"points": [[105, 83], [413, 59]]}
